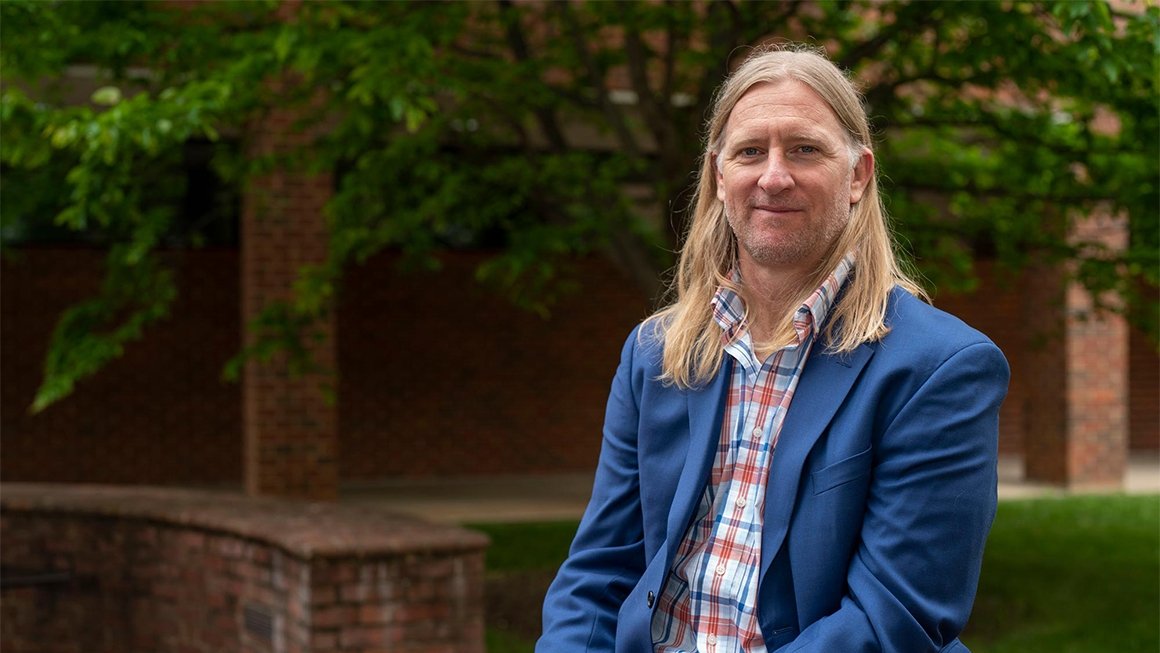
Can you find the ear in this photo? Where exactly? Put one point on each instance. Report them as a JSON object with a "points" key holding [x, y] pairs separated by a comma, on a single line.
{"points": [[862, 174], [717, 175]]}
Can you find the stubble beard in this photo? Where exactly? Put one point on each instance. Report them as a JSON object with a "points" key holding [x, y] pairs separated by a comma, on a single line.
{"points": [[807, 245]]}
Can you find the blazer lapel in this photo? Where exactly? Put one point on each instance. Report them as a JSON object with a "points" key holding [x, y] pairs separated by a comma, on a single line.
{"points": [[823, 386], [706, 410]]}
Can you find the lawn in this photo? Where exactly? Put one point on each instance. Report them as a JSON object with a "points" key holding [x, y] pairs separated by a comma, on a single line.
{"points": [[1073, 575]]}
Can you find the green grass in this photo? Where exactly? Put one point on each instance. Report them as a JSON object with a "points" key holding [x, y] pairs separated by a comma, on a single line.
{"points": [[1071, 575], [520, 548], [523, 547], [499, 641]]}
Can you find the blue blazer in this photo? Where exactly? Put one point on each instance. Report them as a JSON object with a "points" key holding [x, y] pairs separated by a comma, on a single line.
{"points": [[879, 499]]}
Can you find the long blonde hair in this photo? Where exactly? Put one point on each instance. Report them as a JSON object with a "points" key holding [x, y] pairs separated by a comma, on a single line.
{"points": [[692, 339]]}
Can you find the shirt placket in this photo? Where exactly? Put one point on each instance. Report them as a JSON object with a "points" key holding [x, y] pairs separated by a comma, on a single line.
{"points": [[748, 453]]}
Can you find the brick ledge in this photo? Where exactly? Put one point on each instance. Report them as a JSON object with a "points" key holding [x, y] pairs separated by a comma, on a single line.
{"points": [[302, 529]]}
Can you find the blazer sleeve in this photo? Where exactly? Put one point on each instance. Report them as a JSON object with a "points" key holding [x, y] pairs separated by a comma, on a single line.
{"points": [[932, 498], [606, 559]]}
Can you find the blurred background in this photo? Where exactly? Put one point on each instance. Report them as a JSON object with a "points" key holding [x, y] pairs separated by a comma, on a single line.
{"points": [[319, 250]]}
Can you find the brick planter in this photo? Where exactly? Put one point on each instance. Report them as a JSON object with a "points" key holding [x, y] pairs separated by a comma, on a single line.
{"points": [[158, 570]]}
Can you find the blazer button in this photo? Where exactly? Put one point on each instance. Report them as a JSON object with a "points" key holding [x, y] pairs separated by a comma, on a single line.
{"points": [[651, 597]]}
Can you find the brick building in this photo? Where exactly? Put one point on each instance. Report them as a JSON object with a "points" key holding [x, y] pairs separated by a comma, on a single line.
{"points": [[460, 382], [438, 377]]}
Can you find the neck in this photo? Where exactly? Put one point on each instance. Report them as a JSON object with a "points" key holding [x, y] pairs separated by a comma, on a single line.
{"points": [[771, 296]]}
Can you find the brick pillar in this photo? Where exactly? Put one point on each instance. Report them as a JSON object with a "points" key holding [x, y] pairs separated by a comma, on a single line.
{"points": [[1077, 406], [290, 427]]}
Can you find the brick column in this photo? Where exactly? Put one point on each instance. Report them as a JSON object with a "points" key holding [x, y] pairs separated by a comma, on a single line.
{"points": [[1077, 406], [290, 427]]}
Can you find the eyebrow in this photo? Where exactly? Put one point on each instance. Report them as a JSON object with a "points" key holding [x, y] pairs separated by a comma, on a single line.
{"points": [[757, 137]]}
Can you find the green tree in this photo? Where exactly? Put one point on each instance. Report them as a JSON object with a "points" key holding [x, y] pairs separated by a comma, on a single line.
{"points": [[561, 129]]}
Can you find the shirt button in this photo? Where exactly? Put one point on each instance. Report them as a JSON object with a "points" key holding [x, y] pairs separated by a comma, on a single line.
{"points": [[721, 570], [741, 502], [711, 640], [651, 598], [756, 433]]}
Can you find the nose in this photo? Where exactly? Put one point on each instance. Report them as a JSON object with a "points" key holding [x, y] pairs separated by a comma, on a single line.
{"points": [[776, 177]]}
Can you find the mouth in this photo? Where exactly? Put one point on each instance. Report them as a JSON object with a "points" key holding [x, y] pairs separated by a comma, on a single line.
{"points": [[776, 210]]}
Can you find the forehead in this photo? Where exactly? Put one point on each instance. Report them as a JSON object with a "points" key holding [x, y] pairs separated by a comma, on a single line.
{"points": [[785, 104]]}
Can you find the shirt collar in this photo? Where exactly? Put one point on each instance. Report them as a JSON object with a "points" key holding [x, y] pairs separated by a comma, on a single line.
{"points": [[729, 307]]}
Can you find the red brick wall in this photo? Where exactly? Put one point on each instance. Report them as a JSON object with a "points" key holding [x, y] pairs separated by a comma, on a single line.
{"points": [[159, 571], [290, 426], [514, 392], [160, 414], [1144, 393], [1097, 399], [440, 376], [1045, 438]]}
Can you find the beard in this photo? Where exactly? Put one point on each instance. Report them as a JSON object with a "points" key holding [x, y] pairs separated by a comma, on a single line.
{"points": [[776, 245]]}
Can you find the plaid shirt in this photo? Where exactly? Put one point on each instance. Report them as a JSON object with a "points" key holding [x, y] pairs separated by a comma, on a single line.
{"points": [[709, 601]]}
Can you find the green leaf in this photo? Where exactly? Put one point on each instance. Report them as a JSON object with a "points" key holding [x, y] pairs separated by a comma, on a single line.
{"points": [[486, 125], [107, 96]]}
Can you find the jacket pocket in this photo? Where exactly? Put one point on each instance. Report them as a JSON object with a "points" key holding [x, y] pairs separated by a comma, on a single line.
{"points": [[843, 471]]}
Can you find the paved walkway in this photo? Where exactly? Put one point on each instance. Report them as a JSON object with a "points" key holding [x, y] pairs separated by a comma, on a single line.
{"points": [[563, 496]]}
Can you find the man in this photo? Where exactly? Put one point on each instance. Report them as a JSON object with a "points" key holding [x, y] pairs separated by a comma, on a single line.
{"points": [[799, 454]]}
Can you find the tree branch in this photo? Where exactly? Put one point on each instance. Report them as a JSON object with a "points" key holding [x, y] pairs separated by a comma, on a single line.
{"points": [[515, 36], [724, 39], [596, 79], [1028, 138], [655, 112], [925, 16], [671, 45], [482, 55], [976, 190]]}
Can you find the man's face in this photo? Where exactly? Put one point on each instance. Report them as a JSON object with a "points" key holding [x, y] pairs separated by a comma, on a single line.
{"points": [[785, 176]]}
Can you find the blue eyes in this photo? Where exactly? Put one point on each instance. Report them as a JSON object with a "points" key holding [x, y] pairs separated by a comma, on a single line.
{"points": [[801, 149]]}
